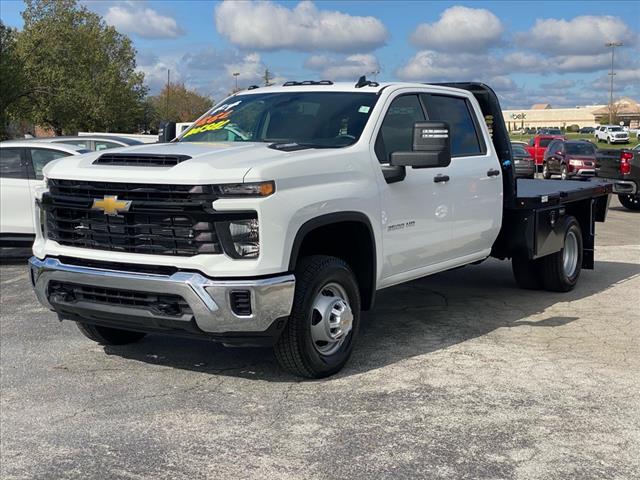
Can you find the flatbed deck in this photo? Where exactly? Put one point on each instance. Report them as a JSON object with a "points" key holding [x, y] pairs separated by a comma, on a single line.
{"points": [[533, 193]]}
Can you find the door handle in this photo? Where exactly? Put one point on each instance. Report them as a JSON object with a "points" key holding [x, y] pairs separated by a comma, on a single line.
{"points": [[493, 173], [441, 178]]}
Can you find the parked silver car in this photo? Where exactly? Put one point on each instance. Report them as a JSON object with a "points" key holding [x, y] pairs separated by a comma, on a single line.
{"points": [[522, 161]]}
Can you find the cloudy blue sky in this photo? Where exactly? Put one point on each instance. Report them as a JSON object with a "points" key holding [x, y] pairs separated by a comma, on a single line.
{"points": [[531, 52]]}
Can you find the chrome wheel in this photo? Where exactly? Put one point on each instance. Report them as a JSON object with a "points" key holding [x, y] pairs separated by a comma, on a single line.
{"points": [[563, 173], [545, 171], [570, 254], [331, 319]]}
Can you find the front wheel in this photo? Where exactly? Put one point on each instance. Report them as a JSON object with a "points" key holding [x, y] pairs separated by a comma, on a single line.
{"points": [[564, 173], [632, 202], [559, 272], [109, 336], [546, 173], [324, 321]]}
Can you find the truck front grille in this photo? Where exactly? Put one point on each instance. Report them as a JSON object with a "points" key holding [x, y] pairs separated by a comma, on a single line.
{"points": [[157, 233], [172, 305], [148, 192], [162, 219]]}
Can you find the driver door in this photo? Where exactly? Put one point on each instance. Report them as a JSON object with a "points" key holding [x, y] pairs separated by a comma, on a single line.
{"points": [[416, 211]]}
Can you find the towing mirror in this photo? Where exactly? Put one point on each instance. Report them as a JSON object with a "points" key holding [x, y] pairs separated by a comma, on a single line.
{"points": [[431, 147]]}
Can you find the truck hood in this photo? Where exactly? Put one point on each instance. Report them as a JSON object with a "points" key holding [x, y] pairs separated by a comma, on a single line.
{"points": [[209, 163]]}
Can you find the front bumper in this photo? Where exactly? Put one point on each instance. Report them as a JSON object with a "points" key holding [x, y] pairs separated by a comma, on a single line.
{"points": [[584, 171], [624, 187], [209, 300]]}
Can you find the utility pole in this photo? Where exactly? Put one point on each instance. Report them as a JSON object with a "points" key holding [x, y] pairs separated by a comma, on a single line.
{"points": [[235, 74], [613, 46], [166, 108], [267, 78]]}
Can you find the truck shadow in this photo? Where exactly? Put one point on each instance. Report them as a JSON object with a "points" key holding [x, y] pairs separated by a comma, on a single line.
{"points": [[410, 320]]}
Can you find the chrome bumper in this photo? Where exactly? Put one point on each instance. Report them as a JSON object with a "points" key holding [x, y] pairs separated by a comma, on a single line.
{"points": [[208, 299], [624, 187]]}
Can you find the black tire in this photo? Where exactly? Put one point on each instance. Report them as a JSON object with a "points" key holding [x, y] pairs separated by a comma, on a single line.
{"points": [[564, 173], [632, 202], [295, 349], [109, 336], [546, 173], [526, 272], [552, 272]]}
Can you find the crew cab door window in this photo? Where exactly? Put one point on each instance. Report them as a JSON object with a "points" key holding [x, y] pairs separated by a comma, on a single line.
{"points": [[41, 156], [463, 130], [396, 132]]}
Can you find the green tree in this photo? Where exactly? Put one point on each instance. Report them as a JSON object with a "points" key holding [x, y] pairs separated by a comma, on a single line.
{"points": [[83, 71], [177, 103], [14, 87]]}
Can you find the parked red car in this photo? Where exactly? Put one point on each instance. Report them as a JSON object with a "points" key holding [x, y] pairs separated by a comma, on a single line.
{"points": [[538, 145], [571, 158]]}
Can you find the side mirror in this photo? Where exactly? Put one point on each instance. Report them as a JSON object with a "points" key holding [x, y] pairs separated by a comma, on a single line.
{"points": [[167, 132], [431, 147]]}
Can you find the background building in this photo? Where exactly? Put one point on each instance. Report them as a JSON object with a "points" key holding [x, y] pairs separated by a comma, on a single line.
{"points": [[625, 110]]}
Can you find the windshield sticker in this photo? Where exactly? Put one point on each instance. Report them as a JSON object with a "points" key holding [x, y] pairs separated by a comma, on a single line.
{"points": [[364, 109], [207, 128], [214, 120]]}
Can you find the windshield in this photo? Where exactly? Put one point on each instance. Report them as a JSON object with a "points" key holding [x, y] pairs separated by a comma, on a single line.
{"points": [[584, 148], [544, 142], [615, 129], [518, 150], [322, 119]]}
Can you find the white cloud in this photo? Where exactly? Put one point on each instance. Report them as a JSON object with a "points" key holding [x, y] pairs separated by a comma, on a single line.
{"points": [[264, 25], [350, 67], [428, 65], [626, 81], [155, 72], [460, 29], [144, 22], [583, 35]]}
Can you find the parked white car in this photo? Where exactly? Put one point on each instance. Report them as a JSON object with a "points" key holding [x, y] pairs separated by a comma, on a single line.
{"points": [[89, 142], [611, 134], [21, 164]]}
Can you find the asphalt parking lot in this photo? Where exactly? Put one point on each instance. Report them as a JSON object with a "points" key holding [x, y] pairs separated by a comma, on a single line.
{"points": [[458, 376]]}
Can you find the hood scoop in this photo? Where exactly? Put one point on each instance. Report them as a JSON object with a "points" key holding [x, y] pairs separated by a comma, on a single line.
{"points": [[140, 160]]}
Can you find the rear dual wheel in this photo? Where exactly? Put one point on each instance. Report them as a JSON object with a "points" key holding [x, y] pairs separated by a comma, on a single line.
{"points": [[558, 272]]}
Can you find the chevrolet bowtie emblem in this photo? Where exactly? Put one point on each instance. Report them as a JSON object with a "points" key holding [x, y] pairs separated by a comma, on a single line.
{"points": [[110, 205]]}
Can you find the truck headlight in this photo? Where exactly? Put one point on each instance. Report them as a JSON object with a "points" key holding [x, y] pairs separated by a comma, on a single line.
{"points": [[240, 238], [254, 189]]}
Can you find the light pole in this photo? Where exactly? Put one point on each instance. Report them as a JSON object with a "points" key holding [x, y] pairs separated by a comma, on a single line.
{"points": [[235, 74], [613, 46]]}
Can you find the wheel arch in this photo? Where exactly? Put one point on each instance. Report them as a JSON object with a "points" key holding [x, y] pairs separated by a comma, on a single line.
{"points": [[363, 259]]}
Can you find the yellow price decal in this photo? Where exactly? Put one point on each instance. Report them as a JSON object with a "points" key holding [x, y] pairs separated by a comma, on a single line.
{"points": [[207, 128]]}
